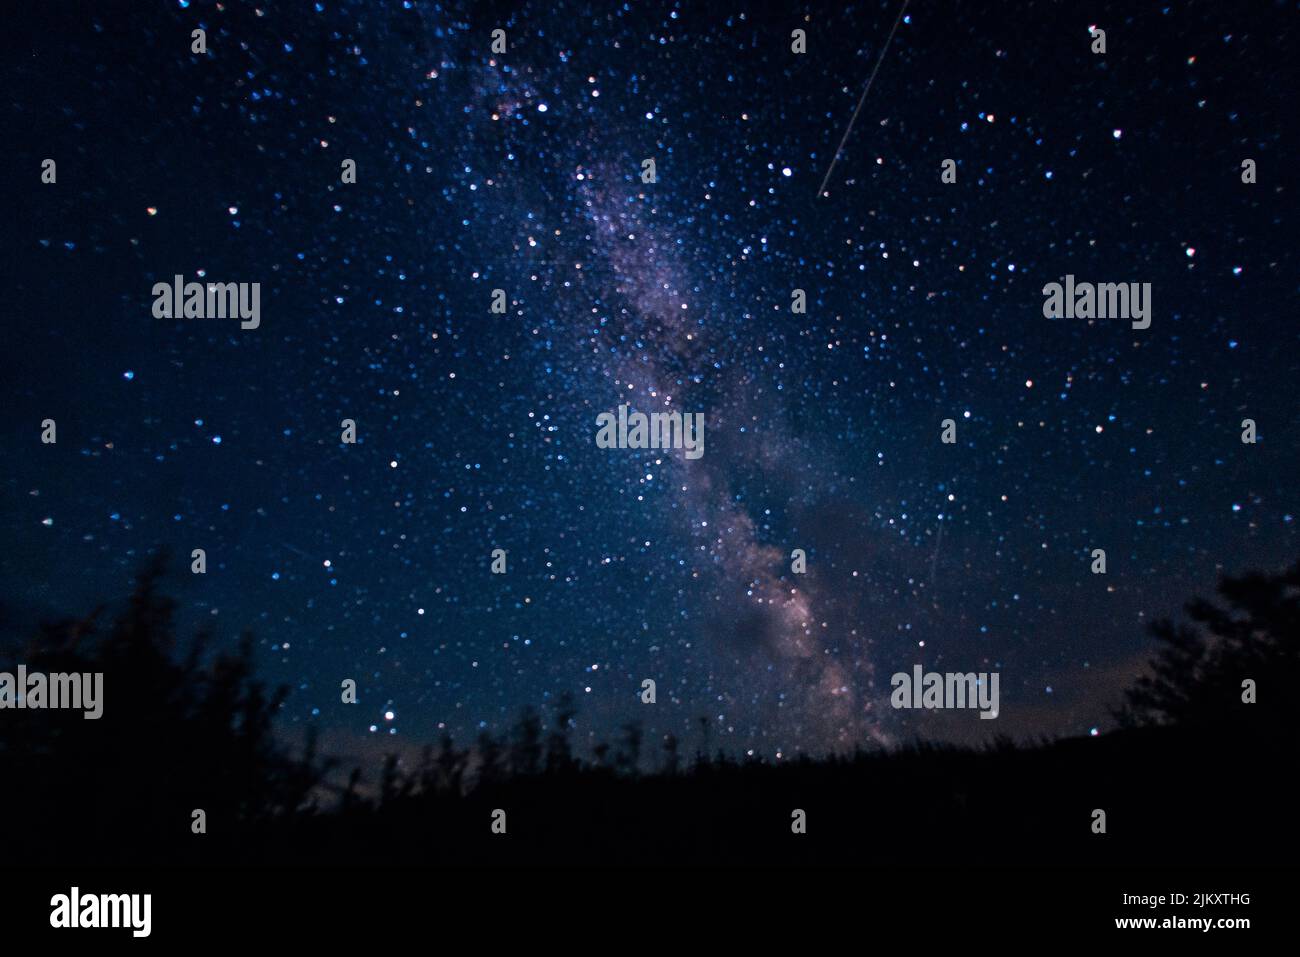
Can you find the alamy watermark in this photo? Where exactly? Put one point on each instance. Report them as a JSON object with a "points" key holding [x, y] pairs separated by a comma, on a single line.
{"points": [[933, 690], [219, 300], [658, 430], [36, 691], [75, 909], [1103, 300]]}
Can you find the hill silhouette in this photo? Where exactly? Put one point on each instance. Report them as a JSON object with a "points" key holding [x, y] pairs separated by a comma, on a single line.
{"points": [[1195, 775]]}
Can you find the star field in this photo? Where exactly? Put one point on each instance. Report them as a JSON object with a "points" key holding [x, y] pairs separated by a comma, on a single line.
{"points": [[521, 171]]}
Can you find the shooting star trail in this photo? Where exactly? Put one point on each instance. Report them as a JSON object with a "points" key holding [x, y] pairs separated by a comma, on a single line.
{"points": [[295, 548], [862, 99], [934, 559]]}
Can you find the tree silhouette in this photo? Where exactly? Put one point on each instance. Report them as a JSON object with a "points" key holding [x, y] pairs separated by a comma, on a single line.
{"points": [[491, 767], [452, 765], [197, 730], [174, 737], [526, 749], [559, 754], [1197, 675], [671, 757], [628, 758]]}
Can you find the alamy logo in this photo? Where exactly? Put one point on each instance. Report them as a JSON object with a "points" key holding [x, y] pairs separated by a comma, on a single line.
{"points": [[103, 910], [219, 300], [658, 430], [84, 691], [1104, 300], [933, 690]]}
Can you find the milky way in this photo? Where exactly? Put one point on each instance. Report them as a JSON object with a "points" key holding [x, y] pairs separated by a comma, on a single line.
{"points": [[521, 171]]}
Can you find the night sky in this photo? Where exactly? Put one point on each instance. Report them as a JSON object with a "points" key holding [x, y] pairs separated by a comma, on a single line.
{"points": [[476, 431]]}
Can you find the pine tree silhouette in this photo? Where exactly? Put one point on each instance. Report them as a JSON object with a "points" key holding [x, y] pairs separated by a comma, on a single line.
{"points": [[1197, 675]]}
